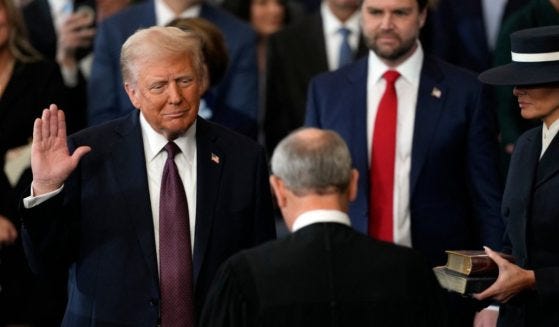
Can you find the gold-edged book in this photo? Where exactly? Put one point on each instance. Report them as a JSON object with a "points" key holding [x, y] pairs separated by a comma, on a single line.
{"points": [[473, 262], [463, 284]]}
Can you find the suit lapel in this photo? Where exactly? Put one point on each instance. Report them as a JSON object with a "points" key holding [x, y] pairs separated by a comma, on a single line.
{"points": [[520, 186], [549, 163], [133, 186], [430, 99], [528, 158], [354, 119], [210, 160]]}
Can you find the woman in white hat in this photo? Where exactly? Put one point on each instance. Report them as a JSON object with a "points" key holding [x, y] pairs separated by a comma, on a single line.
{"points": [[529, 289]]}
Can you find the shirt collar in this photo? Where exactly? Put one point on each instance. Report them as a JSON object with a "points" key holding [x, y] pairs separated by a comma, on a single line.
{"points": [[549, 133], [332, 24], [553, 128], [320, 216], [164, 15], [155, 142], [410, 69]]}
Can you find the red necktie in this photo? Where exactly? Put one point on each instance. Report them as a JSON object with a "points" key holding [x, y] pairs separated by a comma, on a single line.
{"points": [[383, 155], [175, 256]]}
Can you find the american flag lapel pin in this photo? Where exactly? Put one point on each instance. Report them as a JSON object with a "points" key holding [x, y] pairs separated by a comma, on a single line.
{"points": [[215, 158], [436, 92]]}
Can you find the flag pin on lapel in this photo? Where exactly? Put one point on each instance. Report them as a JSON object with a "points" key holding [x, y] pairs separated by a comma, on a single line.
{"points": [[215, 158], [436, 92]]}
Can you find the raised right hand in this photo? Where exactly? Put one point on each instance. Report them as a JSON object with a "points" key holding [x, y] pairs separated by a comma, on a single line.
{"points": [[51, 161]]}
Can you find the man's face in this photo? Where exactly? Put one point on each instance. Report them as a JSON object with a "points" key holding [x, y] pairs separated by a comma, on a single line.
{"points": [[167, 91], [391, 28]]}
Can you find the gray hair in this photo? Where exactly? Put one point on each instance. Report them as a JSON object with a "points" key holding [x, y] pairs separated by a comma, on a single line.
{"points": [[311, 160], [156, 43]]}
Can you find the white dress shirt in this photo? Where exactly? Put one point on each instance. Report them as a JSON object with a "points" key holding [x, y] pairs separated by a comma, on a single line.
{"points": [[156, 156], [407, 87], [493, 11], [548, 134], [164, 15], [60, 10], [333, 39], [320, 216]]}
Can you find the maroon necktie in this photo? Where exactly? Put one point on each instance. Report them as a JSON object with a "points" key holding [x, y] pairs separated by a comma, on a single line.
{"points": [[383, 156], [175, 256]]}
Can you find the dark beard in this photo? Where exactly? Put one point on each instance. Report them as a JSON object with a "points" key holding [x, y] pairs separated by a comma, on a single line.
{"points": [[391, 55]]}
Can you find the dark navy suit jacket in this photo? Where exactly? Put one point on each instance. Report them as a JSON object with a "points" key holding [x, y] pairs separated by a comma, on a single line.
{"points": [[531, 213], [455, 32], [101, 228], [455, 192], [233, 101]]}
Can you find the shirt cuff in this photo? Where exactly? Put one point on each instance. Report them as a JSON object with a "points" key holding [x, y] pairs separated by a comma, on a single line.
{"points": [[32, 200]]}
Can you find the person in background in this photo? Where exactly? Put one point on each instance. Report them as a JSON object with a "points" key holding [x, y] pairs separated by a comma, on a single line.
{"points": [[325, 273], [27, 83], [216, 58], [266, 17], [529, 288], [464, 33], [151, 203], [422, 137], [232, 102], [63, 31], [323, 41], [536, 13]]}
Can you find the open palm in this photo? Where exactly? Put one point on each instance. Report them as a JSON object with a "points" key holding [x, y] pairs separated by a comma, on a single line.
{"points": [[51, 161]]}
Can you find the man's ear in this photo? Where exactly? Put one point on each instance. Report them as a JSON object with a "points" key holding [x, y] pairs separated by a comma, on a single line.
{"points": [[352, 190], [279, 190], [132, 94]]}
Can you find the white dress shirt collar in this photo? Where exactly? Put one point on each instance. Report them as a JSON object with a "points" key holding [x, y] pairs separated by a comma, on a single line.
{"points": [[548, 134], [320, 216], [155, 142], [410, 70], [332, 38], [164, 15], [332, 24]]}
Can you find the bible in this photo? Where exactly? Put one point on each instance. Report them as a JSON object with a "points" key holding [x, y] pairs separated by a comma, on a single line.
{"points": [[473, 262], [460, 283]]}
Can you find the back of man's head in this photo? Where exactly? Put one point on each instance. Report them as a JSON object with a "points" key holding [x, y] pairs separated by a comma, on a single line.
{"points": [[313, 161]]}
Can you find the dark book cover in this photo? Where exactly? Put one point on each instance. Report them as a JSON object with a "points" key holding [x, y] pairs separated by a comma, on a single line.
{"points": [[460, 283]]}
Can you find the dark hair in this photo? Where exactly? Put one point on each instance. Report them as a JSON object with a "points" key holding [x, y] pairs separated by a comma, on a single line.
{"points": [[423, 3], [213, 45], [241, 9]]}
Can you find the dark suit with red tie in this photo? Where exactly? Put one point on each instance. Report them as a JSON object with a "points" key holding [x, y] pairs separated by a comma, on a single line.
{"points": [[454, 185], [454, 182]]}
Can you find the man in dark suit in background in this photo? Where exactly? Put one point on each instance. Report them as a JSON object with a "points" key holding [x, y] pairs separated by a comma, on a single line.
{"points": [[429, 165], [464, 33], [101, 215], [325, 273], [232, 102], [298, 53]]}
